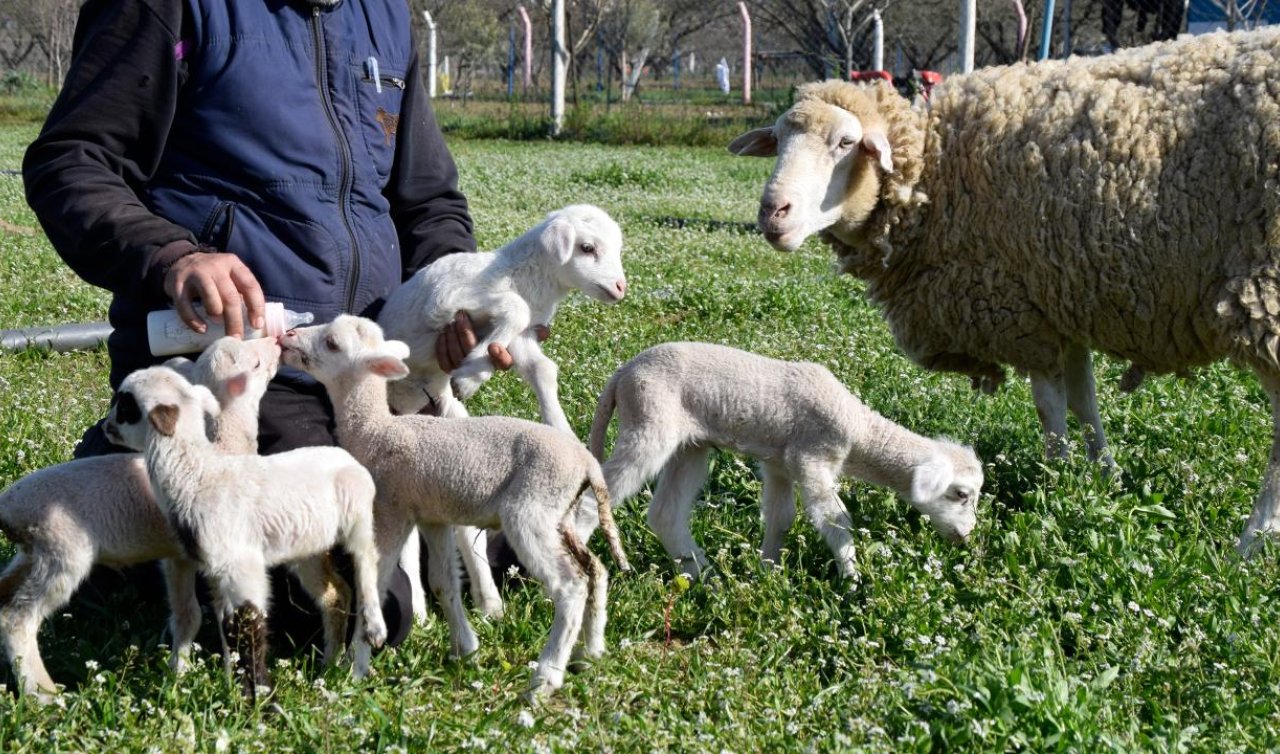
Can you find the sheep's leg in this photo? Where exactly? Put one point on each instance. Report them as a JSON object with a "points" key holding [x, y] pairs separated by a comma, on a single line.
{"points": [[1082, 399], [778, 504], [442, 572], [548, 553], [243, 592], [542, 374], [671, 511], [639, 453], [407, 396], [829, 517], [29, 591], [1050, 394], [332, 596], [476, 368], [184, 609], [1265, 517], [391, 531], [473, 544], [411, 564], [359, 541]]}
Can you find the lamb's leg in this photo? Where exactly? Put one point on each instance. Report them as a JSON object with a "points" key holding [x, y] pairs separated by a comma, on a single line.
{"points": [[639, 453], [1050, 394], [1265, 517], [332, 596], [672, 508], [542, 374], [391, 530], [184, 609], [442, 572], [778, 504], [411, 564], [243, 591], [546, 550], [29, 591], [473, 544], [828, 514], [476, 368], [1082, 399], [359, 541]]}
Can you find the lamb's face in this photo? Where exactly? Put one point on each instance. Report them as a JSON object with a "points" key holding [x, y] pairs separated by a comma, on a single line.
{"points": [[157, 399], [588, 245], [344, 349], [229, 357], [947, 489], [821, 149]]}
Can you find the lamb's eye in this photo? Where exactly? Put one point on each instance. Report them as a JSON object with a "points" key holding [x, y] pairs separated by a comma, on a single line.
{"points": [[257, 364], [845, 142], [331, 343], [588, 248]]}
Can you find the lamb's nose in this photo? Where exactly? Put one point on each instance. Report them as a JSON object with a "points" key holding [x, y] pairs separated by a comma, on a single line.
{"points": [[620, 287], [772, 211]]}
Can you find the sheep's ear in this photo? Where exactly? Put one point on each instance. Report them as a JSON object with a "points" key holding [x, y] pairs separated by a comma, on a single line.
{"points": [[386, 366], [876, 144], [758, 143], [235, 386], [164, 419], [558, 237], [208, 403], [396, 348], [183, 366], [930, 479]]}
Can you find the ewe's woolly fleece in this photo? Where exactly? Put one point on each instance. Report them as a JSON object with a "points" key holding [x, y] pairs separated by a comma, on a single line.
{"points": [[1126, 202]]}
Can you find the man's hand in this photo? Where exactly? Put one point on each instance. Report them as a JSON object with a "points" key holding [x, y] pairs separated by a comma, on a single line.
{"points": [[457, 339], [220, 282]]}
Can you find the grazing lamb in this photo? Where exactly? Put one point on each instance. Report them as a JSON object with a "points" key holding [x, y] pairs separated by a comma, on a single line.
{"points": [[506, 293], [492, 471], [238, 515], [1035, 213], [69, 517], [676, 401]]}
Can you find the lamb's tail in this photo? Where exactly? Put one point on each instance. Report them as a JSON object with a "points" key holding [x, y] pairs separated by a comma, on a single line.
{"points": [[604, 412], [607, 525]]}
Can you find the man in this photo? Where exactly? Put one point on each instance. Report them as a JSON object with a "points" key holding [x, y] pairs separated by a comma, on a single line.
{"points": [[233, 152]]}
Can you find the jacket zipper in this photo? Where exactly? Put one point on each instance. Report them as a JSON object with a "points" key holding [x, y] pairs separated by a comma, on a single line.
{"points": [[394, 82], [344, 188]]}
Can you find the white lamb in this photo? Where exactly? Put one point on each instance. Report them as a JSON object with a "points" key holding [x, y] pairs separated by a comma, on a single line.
{"points": [[677, 401], [238, 515], [66, 518], [489, 472], [506, 293]]}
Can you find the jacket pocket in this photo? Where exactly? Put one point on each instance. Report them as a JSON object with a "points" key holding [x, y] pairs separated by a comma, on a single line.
{"points": [[218, 226], [380, 94]]}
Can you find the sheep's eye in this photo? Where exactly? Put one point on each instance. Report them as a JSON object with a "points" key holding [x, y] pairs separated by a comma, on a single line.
{"points": [[257, 364], [845, 142], [331, 343], [588, 248]]}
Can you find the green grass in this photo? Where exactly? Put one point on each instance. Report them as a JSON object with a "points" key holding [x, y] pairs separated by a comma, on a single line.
{"points": [[1088, 614]]}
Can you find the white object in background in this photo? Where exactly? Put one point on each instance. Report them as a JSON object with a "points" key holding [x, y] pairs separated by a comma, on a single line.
{"points": [[168, 335]]}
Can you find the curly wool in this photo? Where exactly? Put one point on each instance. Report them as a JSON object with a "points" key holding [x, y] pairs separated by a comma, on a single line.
{"points": [[1127, 203]]}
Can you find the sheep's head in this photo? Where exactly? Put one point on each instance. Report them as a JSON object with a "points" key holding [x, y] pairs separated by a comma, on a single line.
{"points": [[587, 244], [348, 347], [157, 399], [832, 148], [946, 489], [225, 358]]}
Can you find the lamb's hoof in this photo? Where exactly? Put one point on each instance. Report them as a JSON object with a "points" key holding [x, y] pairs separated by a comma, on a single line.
{"points": [[465, 647], [1251, 541], [493, 608], [375, 630]]}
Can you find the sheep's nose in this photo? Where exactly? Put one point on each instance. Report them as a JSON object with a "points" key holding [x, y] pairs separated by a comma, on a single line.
{"points": [[620, 287], [772, 211]]}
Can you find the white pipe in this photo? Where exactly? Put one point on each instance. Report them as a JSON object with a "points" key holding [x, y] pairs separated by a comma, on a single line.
{"points": [[877, 41], [746, 53], [559, 66], [431, 54], [968, 30], [528, 46]]}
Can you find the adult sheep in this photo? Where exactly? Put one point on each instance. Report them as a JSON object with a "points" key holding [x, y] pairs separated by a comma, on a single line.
{"points": [[1033, 213]]}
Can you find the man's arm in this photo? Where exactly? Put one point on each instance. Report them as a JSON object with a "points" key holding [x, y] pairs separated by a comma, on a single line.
{"points": [[102, 141], [426, 205]]}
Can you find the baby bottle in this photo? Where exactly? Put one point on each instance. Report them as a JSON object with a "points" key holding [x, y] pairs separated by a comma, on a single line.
{"points": [[168, 335]]}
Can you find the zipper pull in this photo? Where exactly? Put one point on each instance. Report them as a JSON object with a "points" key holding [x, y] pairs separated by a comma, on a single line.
{"points": [[371, 70]]}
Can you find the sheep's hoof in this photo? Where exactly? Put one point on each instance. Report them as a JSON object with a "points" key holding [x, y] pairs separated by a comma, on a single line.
{"points": [[375, 631]]}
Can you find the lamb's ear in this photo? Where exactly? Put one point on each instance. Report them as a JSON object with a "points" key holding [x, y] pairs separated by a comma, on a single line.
{"points": [[876, 144], [208, 403], [183, 366], [396, 348], [931, 478], [235, 386], [558, 237], [757, 143], [386, 366], [164, 419]]}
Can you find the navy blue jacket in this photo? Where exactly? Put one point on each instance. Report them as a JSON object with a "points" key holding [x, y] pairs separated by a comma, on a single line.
{"points": [[295, 135]]}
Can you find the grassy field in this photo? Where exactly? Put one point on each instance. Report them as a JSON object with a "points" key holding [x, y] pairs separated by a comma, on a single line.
{"points": [[1088, 614]]}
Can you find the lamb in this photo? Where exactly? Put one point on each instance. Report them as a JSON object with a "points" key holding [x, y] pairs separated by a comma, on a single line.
{"points": [[494, 471], [69, 517], [1034, 213], [237, 515], [676, 401], [506, 293]]}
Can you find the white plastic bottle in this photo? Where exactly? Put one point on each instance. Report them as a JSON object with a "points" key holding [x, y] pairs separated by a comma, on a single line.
{"points": [[168, 335]]}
